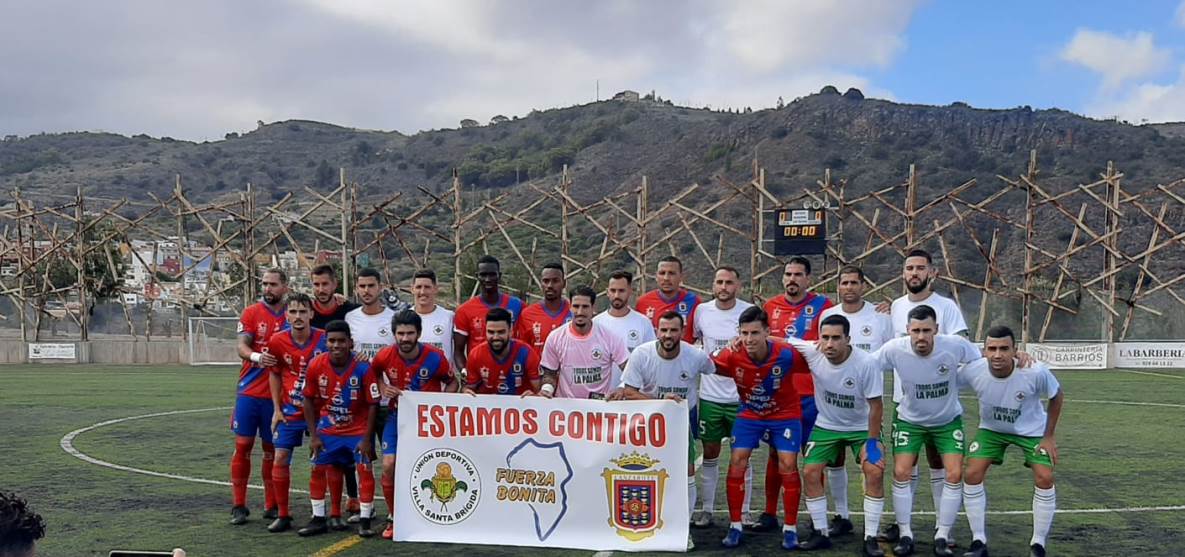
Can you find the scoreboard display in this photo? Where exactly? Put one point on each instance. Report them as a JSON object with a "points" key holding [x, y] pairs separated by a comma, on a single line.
{"points": [[800, 232]]}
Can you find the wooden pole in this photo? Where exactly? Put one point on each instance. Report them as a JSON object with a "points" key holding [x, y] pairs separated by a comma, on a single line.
{"points": [[1110, 283], [80, 246], [1027, 296], [347, 262], [566, 187], [758, 230], [643, 208], [182, 247], [457, 216]]}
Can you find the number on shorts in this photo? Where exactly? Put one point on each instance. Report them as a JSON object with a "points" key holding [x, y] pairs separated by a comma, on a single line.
{"points": [[810, 445], [900, 438], [786, 433], [703, 428]]}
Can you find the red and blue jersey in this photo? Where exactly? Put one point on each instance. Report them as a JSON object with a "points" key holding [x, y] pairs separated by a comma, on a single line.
{"points": [[429, 371], [653, 304], [767, 388], [486, 374], [470, 318], [344, 396], [292, 367], [536, 323], [801, 320], [259, 323]]}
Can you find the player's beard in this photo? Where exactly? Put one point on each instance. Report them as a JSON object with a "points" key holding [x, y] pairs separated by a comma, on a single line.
{"points": [[407, 347], [271, 299], [497, 346], [668, 345], [324, 299], [919, 287], [618, 303]]}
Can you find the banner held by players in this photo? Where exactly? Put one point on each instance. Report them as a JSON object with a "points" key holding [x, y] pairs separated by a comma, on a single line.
{"points": [[505, 470]]}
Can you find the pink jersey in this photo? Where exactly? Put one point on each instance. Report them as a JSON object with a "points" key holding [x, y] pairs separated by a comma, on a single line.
{"points": [[588, 364], [258, 322]]}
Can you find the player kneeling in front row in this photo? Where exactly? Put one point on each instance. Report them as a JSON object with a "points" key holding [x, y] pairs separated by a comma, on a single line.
{"points": [[1011, 413], [849, 387], [347, 394], [408, 365]]}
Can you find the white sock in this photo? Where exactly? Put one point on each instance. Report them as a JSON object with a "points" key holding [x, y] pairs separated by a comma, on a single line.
{"points": [[709, 474], [366, 509], [873, 507], [1044, 503], [691, 495], [735, 526], [838, 478], [903, 506], [948, 508], [745, 510], [975, 501], [318, 507], [913, 480], [817, 507], [937, 478]]}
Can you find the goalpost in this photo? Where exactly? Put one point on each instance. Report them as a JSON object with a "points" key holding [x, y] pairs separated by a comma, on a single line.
{"points": [[213, 341]]}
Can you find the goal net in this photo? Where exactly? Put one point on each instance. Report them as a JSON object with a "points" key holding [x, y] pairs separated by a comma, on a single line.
{"points": [[213, 341]]}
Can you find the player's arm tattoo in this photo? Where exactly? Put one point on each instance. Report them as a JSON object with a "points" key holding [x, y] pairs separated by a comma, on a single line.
{"points": [[244, 347], [549, 376]]}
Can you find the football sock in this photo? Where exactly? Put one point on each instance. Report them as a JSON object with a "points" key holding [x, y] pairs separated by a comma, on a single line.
{"points": [[1044, 504], [937, 478], [333, 476], [735, 490], [365, 483], [948, 509], [903, 506], [838, 478], [269, 458], [281, 480], [873, 508], [389, 491], [710, 475], [773, 484], [975, 501], [817, 507], [240, 469], [317, 489], [791, 488], [691, 495]]}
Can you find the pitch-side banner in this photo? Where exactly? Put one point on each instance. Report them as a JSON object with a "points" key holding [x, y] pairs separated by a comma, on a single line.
{"points": [[1148, 354], [1070, 356], [505, 470]]}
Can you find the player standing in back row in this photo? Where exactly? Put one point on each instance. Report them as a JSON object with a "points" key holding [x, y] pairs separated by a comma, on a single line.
{"points": [[436, 319], [252, 415], [553, 312], [670, 296], [469, 323], [631, 327]]}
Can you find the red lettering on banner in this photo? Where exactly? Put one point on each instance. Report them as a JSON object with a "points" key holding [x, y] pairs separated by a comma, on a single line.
{"points": [[421, 419], [467, 425], [658, 430], [437, 427], [530, 425], [555, 423], [637, 430]]}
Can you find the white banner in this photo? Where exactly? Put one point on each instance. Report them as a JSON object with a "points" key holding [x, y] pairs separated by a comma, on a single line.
{"points": [[505, 470], [1148, 354], [1070, 356], [51, 351]]}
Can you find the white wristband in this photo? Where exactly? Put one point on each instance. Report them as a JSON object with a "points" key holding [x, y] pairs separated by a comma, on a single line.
{"points": [[256, 357], [547, 389]]}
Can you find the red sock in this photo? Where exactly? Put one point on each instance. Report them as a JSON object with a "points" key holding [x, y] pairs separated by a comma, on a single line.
{"points": [[735, 489], [389, 491], [281, 479], [240, 469], [365, 481], [317, 482], [269, 457], [334, 475], [773, 484], [792, 486]]}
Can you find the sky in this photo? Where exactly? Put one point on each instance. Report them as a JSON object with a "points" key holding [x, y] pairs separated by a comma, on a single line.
{"points": [[197, 70]]}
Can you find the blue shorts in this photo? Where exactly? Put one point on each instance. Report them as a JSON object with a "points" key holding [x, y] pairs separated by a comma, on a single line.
{"points": [[340, 450], [390, 434], [290, 435], [252, 417], [784, 435], [810, 413]]}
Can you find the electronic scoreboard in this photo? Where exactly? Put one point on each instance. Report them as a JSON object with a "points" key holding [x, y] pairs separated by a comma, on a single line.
{"points": [[800, 232]]}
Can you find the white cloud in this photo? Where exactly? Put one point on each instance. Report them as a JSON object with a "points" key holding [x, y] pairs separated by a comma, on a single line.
{"points": [[1146, 101], [1116, 59], [1179, 16]]}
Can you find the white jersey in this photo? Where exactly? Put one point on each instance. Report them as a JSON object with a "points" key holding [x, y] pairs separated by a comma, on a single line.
{"points": [[842, 391], [438, 330], [633, 329], [1012, 404], [656, 376], [371, 333], [931, 388], [949, 316], [715, 327], [869, 328]]}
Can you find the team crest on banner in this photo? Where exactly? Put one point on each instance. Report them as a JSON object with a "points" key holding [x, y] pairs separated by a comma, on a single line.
{"points": [[635, 489]]}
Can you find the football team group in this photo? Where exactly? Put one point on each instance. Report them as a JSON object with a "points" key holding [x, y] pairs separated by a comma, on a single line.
{"points": [[801, 375]]}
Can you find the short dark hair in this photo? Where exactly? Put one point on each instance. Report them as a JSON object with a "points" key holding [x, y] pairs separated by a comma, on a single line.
{"points": [[753, 313], [278, 271], [337, 326], [918, 252], [370, 272], [1000, 331], [553, 265], [322, 270], [424, 273], [730, 269], [500, 314], [800, 260], [300, 298], [672, 259], [837, 319], [20, 527], [922, 313], [622, 274], [583, 290], [852, 269], [672, 314], [487, 258], [407, 317]]}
